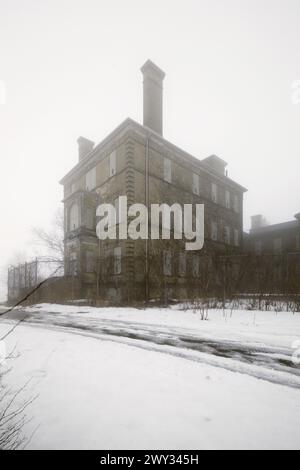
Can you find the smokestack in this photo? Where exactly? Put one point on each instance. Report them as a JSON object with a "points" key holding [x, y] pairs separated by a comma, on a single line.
{"points": [[153, 96], [85, 146]]}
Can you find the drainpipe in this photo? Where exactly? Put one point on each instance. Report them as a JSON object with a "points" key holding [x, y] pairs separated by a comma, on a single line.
{"points": [[147, 205]]}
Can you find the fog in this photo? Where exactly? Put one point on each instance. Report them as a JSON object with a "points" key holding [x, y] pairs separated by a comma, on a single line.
{"points": [[71, 68]]}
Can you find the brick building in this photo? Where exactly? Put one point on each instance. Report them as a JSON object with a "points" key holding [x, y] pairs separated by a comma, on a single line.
{"points": [[138, 162], [274, 239]]}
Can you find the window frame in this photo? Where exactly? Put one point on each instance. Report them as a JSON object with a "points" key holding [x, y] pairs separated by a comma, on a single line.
{"points": [[196, 184], [214, 193], [214, 231], [90, 179], [72, 217], [117, 260], [113, 163], [227, 199], [167, 170]]}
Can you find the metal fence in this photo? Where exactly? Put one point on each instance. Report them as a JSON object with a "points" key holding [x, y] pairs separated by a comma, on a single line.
{"points": [[21, 278]]}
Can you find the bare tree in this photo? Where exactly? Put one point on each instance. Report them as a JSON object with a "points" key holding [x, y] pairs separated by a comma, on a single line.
{"points": [[12, 411], [51, 242]]}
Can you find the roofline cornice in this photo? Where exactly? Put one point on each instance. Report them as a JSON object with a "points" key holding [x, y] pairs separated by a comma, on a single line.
{"points": [[131, 125]]}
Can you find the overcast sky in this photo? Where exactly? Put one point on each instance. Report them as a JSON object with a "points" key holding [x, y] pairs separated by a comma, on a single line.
{"points": [[71, 67]]}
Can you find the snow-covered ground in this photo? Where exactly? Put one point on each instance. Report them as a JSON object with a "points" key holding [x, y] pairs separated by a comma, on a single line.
{"points": [[157, 378]]}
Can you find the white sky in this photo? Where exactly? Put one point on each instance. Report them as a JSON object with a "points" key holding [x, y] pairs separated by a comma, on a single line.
{"points": [[72, 68]]}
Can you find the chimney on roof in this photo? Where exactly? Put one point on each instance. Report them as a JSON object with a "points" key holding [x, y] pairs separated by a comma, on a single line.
{"points": [[85, 146], [216, 163], [258, 221], [153, 96]]}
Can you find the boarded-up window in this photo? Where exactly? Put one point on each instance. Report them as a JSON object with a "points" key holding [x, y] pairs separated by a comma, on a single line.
{"points": [[227, 235], [90, 179], [118, 260], [182, 264], [196, 185], [112, 163], [236, 204], [117, 209], [227, 199], [167, 170], [73, 264], [167, 260], [214, 192], [214, 231], [74, 217], [236, 237]]}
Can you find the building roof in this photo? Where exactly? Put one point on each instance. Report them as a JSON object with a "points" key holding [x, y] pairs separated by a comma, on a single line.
{"points": [[130, 124], [285, 226]]}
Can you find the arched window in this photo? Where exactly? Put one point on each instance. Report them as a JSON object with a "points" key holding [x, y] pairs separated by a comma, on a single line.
{"points": [[74, 217]]}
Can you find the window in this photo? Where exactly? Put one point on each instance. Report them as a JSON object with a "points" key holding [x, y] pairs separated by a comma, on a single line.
{"points": [[112, 164], [236, 237], [74, 217], [117, 260], [167, 259], [90, 179], [277, 245], [182, 264], [107, 268], [117, 209], [214, 231], [89, 218], [196, 186], [214, 192], [90, 262], [227, 199], [236, 204], [167, 170], [227, 235], [258, 247], [73, 264], [195, 265], [73, 188]]}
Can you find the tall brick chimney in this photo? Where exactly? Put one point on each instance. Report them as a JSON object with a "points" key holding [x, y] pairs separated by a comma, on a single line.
{"points": [[85, 146], [153, 96]]}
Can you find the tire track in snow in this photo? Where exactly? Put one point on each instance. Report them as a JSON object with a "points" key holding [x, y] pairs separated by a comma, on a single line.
{"points": [[262, 362]]}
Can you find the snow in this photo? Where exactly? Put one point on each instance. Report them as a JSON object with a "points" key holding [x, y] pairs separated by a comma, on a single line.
{"points": [[270, 328], [99, 391]]}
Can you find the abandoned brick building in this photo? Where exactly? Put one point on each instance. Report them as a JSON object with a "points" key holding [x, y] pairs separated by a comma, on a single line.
{"points": [[276, 239], [136, 161]]}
